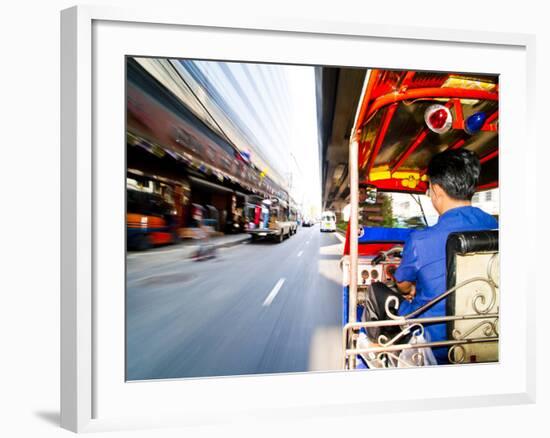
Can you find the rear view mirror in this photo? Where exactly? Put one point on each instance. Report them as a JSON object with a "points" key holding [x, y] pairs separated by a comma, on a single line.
{"points": [[368, 194]]}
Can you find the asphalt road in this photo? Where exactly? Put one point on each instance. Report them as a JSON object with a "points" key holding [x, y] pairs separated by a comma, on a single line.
{"points": [[255, 308]]}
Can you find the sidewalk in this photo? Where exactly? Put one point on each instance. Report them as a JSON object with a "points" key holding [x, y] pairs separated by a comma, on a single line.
{"points": [[187, 248], [229, 240]]}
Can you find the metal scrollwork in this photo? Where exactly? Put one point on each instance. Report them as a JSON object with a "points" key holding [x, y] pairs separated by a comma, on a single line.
{"points": [[481, 298], [385, 356], [453, 357], [394, 301], [457, 353], [493, 285], [385, 342], [444, 295], [490, 266], [388, 350], [495, 327]]}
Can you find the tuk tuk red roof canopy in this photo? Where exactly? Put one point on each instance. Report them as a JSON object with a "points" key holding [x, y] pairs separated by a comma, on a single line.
{"points": [[396, 144]]}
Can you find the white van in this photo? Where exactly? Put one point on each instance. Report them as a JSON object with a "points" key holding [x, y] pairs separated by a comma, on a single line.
{"points": [[328, 221]]}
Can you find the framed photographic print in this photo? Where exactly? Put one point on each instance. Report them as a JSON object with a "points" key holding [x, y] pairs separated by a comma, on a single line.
{"points": [[213, 172]]}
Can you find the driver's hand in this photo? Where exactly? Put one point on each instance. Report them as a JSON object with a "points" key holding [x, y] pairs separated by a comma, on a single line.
{"points": [[409, 296]]}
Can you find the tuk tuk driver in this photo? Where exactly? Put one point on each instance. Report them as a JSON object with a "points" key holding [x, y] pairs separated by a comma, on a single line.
{"points": [[421, 275]]}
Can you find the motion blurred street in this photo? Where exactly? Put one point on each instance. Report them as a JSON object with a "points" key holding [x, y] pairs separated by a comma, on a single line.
{"points": [[259, 307], [229, 182]]}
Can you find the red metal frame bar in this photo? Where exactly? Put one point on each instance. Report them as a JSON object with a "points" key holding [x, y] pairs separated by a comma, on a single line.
{"points": [[489, 186], [489, 156], [413, 146], [458, 122], [489, 124], [490, 120], [458, 144], [381, 134], [361, 153], [366, 98], [407, 81], [419, 93]]}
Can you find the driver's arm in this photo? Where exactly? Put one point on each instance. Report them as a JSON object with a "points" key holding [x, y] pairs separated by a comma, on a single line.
{"points": [[405, 275]]}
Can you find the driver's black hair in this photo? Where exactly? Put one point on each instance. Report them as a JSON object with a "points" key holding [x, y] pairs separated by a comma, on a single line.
{"points": [[456, 172]]}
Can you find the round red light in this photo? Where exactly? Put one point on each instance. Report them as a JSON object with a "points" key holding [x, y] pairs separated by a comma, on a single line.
{"points": [[438, 118]]}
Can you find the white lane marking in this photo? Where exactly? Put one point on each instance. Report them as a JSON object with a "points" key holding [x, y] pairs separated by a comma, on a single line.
{"points": [[340, 237], [269, 299], [300, 253], [307, 242]]}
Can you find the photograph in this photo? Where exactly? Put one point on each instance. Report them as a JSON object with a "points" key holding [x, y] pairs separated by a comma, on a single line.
{"points": [[223, 219], [244, 183]]}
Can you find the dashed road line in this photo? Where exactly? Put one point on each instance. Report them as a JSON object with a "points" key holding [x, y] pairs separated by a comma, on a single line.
{"points": [[269, 299]]}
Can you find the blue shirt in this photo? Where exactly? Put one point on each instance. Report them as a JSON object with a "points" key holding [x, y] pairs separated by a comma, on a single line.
{"points": [[424, 262]]}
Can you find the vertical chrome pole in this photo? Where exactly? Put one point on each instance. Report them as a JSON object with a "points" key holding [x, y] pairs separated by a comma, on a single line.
{"points": [[353, 231], [353, 167]]}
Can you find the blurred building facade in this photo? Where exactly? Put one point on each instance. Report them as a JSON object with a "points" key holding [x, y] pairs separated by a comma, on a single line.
{"points": [[187, 150]]}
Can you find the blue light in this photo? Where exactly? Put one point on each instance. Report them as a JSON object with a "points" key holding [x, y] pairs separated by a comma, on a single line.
{"points": [[475, 122]]}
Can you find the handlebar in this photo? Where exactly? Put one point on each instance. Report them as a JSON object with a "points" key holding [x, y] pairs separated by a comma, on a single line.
{"points": [[397, 251]]}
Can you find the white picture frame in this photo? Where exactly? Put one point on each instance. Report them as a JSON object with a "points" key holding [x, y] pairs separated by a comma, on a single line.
{"points": [[93, 397]]}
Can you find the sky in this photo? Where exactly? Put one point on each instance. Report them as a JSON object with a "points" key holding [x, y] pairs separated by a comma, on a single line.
{"points": [[304, 141]]}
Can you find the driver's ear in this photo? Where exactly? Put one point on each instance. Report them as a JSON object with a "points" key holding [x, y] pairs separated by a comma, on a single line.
{"points": [[437, 190]]}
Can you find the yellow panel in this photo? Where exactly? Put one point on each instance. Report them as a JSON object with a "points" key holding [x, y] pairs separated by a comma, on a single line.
{"points": [[467, 83], [411, 177]]}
